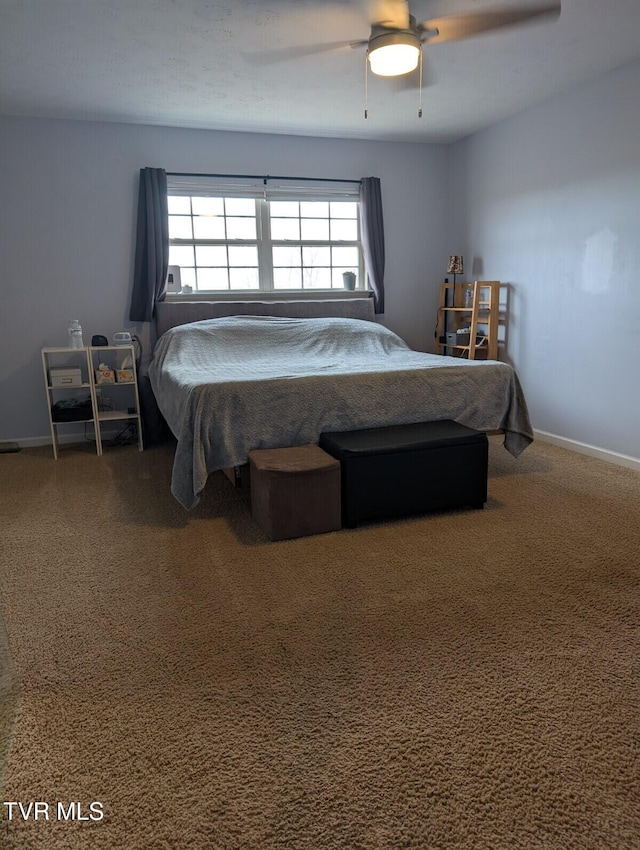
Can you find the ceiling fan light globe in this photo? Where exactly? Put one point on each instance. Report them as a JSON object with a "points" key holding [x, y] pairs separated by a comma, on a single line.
{"points": [[393, 60], [394, 53]]}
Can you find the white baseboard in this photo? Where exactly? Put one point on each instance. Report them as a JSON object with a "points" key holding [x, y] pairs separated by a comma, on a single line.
{"points": [[586, 449], [77, 437], [31, 442]]}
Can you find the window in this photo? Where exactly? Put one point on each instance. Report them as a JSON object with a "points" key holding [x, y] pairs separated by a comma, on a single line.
{"points": [[234, 237]]}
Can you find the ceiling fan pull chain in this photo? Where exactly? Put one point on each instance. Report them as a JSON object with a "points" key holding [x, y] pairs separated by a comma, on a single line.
{"points": [[366, 85], [420, 72]]}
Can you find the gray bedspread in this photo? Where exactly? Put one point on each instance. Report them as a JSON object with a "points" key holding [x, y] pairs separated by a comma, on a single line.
{"points": [[230, 385]]}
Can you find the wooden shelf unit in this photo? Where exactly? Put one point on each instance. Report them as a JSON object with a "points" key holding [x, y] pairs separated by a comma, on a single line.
{"points": [[481, 315]]}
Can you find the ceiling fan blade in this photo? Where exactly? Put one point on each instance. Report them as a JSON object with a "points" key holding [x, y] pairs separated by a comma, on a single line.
{"points": [[456, 27], [393, 14], [284, 54]]}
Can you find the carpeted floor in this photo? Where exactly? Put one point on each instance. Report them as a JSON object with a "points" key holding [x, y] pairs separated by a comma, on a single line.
{"points": [[462, 680]]}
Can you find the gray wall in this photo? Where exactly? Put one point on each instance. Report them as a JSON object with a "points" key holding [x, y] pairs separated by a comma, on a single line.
{"points": [[67, 220], [549, 201]]}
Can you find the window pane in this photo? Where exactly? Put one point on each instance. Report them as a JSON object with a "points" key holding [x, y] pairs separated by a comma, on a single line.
{"points": [[345, 257], [208, 206], [244, 278], [314, 209], [336, 276], [181, 255], [211, 255], [344, 209], [315, 229], [285, 209], [287, 256], [180, 227], [287, 279], [344, 229], [243, 256], [285, 228], [208, 227], [240, 206], [213, 279], [188, 276], [316, 278], [316, 255], [241, 228], [179, 205]]}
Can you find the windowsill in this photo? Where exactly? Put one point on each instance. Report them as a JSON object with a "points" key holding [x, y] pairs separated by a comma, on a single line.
{"points": [[281, 295]]}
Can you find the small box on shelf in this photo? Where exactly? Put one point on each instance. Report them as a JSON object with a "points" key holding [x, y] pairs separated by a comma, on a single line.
{"points": [[462, 337], [65, 377], [105, 376]]}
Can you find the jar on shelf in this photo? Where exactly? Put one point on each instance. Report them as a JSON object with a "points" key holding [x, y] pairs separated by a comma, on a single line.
{"points": [[467, 296]]}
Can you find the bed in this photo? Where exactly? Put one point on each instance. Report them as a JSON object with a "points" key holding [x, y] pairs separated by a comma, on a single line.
{"points": [[231, 377]]}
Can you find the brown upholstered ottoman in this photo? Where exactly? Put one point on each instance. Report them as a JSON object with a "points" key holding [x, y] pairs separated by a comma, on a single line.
{"points": [[295, 491]]}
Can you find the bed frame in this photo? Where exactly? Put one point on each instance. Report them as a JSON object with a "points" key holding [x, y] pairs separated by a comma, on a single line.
{"points": [[169, 314]]}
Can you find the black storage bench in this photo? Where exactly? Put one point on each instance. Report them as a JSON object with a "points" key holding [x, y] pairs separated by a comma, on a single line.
{"points": [[407, 469]]}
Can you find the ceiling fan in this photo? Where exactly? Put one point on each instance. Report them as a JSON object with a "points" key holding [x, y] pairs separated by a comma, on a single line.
{"points": [[394, 46], [396, 37]]}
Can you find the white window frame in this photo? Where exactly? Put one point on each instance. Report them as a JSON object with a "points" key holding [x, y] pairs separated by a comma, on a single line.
{"points": [[263, 192]]}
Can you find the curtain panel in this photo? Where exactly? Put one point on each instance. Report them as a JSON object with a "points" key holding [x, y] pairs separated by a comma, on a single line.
{"points": [[152, 245], [373, 237]]}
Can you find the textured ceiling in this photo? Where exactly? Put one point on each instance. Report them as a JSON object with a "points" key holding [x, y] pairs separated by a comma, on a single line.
{"points": [[215, 64]]}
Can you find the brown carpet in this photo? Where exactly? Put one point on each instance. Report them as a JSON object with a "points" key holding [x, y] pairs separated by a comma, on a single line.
{"points": [[463, 680]]}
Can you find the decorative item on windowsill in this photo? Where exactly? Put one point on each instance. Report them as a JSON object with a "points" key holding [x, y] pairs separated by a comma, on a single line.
{"points": [[349, 280], [174, 282]]}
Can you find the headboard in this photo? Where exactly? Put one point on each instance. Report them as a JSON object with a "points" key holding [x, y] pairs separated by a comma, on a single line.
{"points": [[172, 313]]}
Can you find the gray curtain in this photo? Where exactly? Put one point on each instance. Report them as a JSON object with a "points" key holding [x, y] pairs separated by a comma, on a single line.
{"points": [[152, 245], [373, 237]]}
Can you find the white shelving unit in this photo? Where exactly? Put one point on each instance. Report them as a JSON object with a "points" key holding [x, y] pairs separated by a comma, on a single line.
{"points": [[69, 358], [122, 394], [109, 403]]}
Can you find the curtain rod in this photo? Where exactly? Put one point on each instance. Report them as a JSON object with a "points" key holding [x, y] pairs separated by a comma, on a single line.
{"points": [[264, 177]]}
